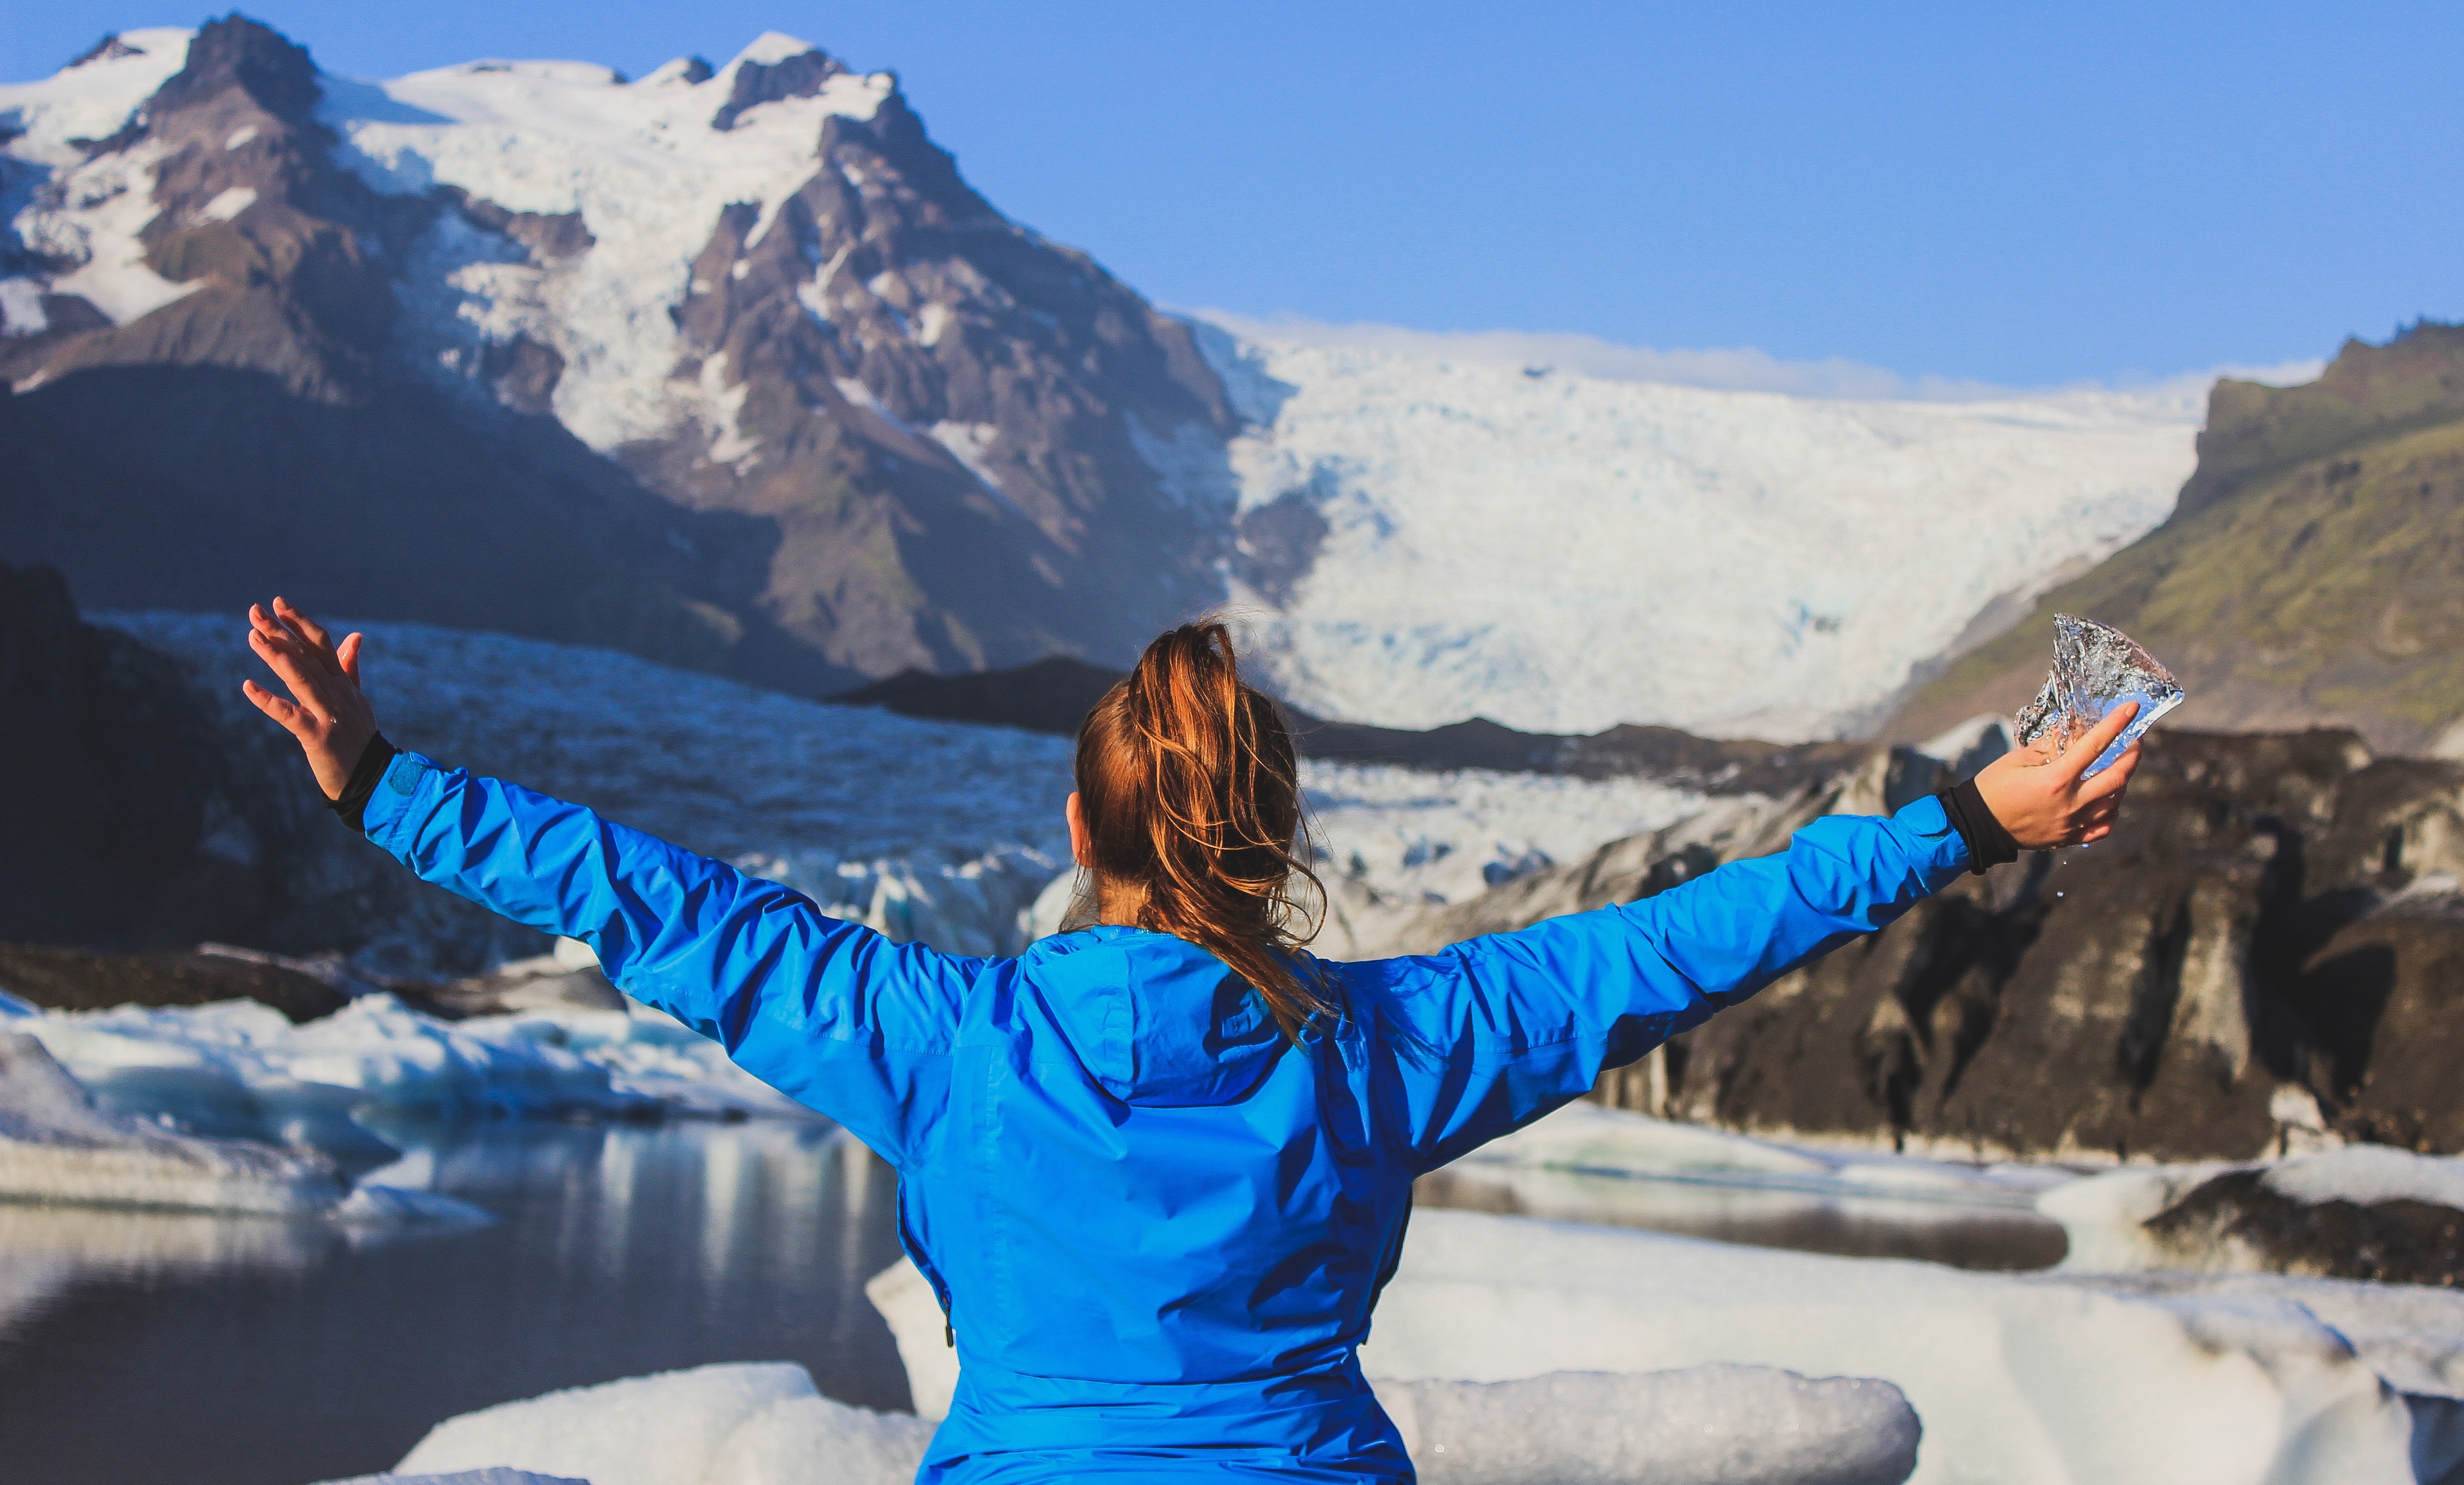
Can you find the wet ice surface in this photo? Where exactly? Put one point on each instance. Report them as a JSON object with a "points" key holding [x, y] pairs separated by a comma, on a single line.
{"points": [[1587, 1163], [2095, 669]]}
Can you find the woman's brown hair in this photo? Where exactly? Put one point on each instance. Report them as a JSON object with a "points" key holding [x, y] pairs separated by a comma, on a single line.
{"points": [[1189, 788]]}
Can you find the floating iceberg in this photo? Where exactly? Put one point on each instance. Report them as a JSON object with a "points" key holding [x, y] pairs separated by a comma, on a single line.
{"points": [[239, 1067], [764, 1424], [1590, 1139], [57, 1146], [2359, 1212], [2095, 669]]}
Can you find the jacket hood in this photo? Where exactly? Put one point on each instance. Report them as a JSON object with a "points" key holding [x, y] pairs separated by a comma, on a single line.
{"points": [[1154, 1019]]}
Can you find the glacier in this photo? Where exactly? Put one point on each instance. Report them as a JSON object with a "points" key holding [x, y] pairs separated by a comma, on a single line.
{"points": [[954, 852], [1562, 553]]}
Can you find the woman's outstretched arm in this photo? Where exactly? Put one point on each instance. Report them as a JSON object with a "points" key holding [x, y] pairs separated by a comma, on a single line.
{"points": [[829, 1012], [1495, 1031]]}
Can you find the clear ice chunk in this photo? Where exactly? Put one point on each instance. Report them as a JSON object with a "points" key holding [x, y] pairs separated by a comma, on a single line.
{"points": [[2095, 669]]}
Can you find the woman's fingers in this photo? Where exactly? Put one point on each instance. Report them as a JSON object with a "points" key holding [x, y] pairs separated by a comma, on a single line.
{"points": [[309, 629], [293, 668], [2113, 780], [2091, 747], [348, 653], [274, 706]]}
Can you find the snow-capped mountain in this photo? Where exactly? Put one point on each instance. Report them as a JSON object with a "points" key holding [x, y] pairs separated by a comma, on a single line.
{"points": [[1430, 539], [729, 368], [849, 417]]}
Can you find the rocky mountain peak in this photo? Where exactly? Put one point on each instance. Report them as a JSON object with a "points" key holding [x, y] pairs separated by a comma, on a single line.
{"points": [[795, 75], [2414, 380], [110, 49], [236, 53]]}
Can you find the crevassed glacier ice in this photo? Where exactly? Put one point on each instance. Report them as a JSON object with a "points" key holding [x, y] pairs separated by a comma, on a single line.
{"points": [[2095, 669]]}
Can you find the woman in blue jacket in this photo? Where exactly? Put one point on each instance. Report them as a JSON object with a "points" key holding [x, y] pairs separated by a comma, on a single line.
{"points": [[1157, 1169]]}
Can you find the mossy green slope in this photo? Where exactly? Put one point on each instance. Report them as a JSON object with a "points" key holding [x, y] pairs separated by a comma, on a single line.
{"points": [[2313, 573]]}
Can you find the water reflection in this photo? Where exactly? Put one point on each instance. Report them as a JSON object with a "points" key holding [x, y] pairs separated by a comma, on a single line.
{"points": [[150, 1346], [1967, 1233]]}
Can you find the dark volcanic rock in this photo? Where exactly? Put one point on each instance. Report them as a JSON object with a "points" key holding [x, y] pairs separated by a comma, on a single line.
{"points": [[2393, 1242], [1053, 695], [2385, 996], [2143, 996], [117, 823], [2273, 910], [66, 978], [139, 813]]}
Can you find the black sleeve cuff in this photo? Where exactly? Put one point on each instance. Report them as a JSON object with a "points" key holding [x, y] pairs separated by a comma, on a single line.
{"points": [[1988, 844], [366, 775]]}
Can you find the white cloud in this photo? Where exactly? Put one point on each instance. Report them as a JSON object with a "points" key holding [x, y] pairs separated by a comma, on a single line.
{"points": [[1733, 368]]}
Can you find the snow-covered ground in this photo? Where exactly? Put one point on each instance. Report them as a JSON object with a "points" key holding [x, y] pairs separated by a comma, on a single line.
{"points": [[1562, 553]]}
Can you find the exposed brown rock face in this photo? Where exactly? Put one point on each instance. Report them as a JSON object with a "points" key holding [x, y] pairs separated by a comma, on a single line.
{"points": [[2273, 910], [950, 445], [956, 426], [256, 435], [66, 978]]}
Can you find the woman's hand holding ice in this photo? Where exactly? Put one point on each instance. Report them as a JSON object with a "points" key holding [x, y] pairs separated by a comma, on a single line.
{"points": [[327, 713], [2041, 798]]}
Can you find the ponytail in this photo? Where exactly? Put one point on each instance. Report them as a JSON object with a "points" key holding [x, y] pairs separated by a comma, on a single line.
{"points": [[1189, 786]]}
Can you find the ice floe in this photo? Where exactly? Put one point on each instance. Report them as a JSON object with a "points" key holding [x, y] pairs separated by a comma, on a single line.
{"points": [[1586, 1138], [764, 1424], [237, 1066], [2351, 1210], [57, 1146]]}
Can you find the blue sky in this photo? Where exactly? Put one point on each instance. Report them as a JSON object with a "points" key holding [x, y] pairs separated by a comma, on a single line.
{"points": [[2021, 195]]}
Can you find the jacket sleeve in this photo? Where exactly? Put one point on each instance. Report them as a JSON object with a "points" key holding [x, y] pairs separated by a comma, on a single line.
{"points": [[831, 1013], [1495, 1031]]}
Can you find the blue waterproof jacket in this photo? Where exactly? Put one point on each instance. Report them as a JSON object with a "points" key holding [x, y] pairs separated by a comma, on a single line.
{"points": [[1157, 1225]]}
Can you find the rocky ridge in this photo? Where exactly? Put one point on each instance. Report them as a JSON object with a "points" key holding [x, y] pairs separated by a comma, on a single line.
{"points": [[2266, 949], [2312, 573]]}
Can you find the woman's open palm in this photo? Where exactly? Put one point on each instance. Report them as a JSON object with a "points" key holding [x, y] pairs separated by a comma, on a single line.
{"points": [[327, 711]]}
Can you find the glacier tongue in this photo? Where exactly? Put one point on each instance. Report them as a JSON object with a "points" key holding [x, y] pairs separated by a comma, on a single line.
{"points": [[1561, 553]]}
